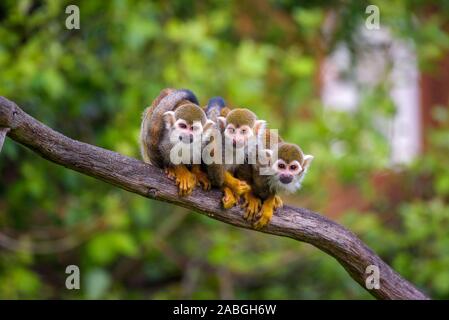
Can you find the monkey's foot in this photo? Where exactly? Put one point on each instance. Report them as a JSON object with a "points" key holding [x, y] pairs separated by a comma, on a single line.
{"points": [[185, 180], [229, 199], [201, 177], [239, 187], [170, 172], [278, 203], [265, 213], [251, 205]]}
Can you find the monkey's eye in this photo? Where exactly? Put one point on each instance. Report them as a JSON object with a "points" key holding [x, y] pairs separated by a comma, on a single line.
{"points": [[243, 131], [231, 130], [182, 125], [293, 167], [281, 166]]}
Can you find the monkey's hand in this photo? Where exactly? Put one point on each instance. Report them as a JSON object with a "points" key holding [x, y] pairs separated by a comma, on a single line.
{"points": [[229, 199], [239, 187], [278, 203], [185, 180], [265, 213], [201, 177], [251, 204]]}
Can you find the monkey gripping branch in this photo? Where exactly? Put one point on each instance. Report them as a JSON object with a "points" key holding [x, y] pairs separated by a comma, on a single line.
{"points": [[148, 181]]}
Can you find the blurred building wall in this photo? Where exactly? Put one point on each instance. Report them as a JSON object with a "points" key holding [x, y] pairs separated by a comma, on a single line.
{"points": [[382, 58]]}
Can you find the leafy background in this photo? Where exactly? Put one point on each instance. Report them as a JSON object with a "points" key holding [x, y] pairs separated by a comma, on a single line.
{"points": [[92, 84]]}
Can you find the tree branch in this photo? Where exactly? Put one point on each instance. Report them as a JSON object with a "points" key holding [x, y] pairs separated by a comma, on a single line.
{"points": [[135, 176], [3, 132]]}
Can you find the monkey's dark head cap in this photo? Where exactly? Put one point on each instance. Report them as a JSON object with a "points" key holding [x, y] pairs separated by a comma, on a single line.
{"points": [[190, 113]]}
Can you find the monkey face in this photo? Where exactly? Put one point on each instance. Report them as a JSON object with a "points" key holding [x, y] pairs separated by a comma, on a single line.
{"points": [[286, 171], [287, 168], [239, 135], [285, 176], [187, 133]]}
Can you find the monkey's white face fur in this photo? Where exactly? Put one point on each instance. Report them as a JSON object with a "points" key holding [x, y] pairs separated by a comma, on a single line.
{"points": [[181, 131], [187, 138], [238, 135], [287, 177], [186, 133]]}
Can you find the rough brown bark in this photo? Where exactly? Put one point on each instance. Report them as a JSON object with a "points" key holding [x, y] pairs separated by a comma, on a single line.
{"points": [[135, 176]]}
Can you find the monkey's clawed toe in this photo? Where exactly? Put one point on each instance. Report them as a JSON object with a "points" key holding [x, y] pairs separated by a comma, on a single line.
{"points": [[265, 214], [203, 181], [228, 202], [205, 184], [278, 203], [262, 221], [259, 224], [229, 199], [186, 182], [251, 205], [241, 188], [170, 172]]}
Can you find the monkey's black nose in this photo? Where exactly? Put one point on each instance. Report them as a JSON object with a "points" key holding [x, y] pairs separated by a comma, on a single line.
{"points": [[286, 178]]}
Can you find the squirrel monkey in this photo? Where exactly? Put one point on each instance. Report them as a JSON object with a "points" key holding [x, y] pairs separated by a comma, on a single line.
{"points": [[173, 118], [236, 126], [286, 170]]}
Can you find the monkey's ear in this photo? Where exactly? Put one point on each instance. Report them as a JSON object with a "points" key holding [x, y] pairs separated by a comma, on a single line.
{"points": [[268, 153], [259, 127], [169, 118], [307, 161], [208, 125], [265, 157], [221, 122]]}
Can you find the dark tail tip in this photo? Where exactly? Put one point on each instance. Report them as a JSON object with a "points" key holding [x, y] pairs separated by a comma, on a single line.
{"points": [[216, 102], [190, 96], [214, 107]]}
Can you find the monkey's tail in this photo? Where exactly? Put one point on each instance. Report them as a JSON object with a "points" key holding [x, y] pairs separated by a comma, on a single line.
{"points": [[153, 123], [215, 108]]}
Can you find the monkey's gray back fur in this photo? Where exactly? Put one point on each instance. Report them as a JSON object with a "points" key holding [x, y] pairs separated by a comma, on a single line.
{"points": [[153, 133]]}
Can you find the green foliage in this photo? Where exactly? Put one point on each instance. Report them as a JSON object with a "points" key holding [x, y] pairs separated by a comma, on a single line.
{"points": [[92, 84]]}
